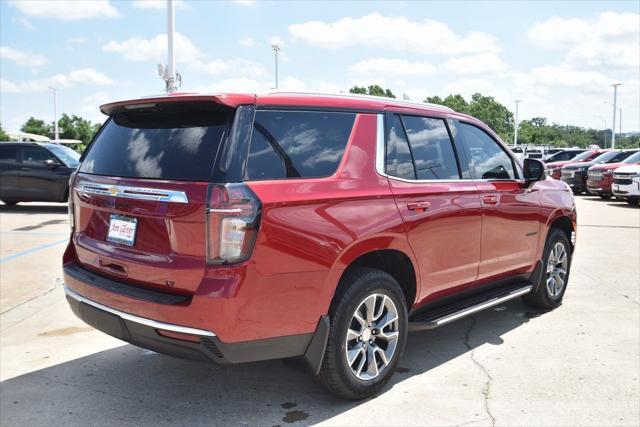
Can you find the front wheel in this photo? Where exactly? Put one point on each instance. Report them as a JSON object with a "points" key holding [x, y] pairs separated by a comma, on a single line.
{"points": [[367, 336], [550, 290]]}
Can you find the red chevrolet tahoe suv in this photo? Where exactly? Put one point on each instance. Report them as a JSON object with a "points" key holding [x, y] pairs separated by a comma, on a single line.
{"points": [[235, 228]]}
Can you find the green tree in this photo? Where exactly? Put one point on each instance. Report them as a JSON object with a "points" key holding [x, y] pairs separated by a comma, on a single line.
{"points": [[3, 135], [75, 127], [37, 126], [374, 90]]}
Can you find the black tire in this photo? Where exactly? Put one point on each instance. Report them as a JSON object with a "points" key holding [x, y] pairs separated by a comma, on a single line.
{"points": [[605, 196], [335, 373], [541, 297], [10, 202], [633, 202]]}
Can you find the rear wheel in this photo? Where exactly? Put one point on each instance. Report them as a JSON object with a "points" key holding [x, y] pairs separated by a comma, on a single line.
{"points": [[367, 336], [605, 196], [555, 274]]}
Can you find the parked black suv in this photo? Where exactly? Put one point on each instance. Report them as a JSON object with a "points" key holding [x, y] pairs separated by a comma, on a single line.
{"points": [[35, 172]]}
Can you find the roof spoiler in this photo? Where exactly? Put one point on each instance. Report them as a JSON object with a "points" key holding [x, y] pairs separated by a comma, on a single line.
{"points": [[230, 100]]}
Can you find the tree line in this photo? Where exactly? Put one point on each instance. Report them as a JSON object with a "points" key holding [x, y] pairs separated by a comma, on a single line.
{"points": [[535, 131]]}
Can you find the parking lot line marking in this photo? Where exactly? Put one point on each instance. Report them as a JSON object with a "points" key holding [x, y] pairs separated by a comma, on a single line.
{"points": [[35, 233], [32, 250]]}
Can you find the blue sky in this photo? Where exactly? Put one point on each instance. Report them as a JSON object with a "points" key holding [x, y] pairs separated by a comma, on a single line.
{"points": [[558, 57]]}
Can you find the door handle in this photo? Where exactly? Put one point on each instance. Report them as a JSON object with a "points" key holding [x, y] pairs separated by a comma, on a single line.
{"points": [[490, 200], [418, 206]]}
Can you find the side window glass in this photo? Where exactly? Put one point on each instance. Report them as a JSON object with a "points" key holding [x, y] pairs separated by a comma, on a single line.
{"points": [[431, 148], [8, 154], [487, 160], [35, 155], [399, 161], [297, 144]]}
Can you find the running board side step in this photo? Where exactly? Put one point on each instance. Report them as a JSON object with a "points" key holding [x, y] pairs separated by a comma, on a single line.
{"points": [[449, 313]]}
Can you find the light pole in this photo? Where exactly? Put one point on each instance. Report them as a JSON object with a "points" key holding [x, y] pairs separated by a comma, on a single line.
{"points": [[276, 49], [515, 134], [55, 113], [613, 126]]}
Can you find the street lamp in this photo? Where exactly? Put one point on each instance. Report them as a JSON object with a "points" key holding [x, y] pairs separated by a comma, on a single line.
{"points": [[276, 49], [613, 127], [515, 135], [55, 113]]}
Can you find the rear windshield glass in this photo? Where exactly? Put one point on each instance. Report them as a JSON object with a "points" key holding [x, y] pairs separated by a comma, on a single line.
{"points": [[634, 158], [297, 144], [583, 156], [174, 141]]}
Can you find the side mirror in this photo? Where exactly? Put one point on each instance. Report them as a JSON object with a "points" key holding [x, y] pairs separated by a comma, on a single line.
{"points": [[533, 171], [52, 164]]}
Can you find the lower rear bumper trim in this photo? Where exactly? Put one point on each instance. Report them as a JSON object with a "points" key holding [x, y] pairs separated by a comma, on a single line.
{"points": [[140, 320]]}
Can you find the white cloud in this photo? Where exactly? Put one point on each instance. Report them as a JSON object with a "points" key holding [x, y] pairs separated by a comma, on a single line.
{"points": [[66, 10], [22, 58], [393, 33], [154, 49], [236, 66], [7, 86], [159, 4], [78, 40], [240, 84], [482, 63], [247, 42], [391, 67], [276, 40], [244, 2], [91, 105], [609, 40], [23, 23], [552, 75], [83, 76]]}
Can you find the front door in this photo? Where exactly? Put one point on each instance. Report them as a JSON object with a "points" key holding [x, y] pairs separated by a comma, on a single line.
{"points": [[510, 211]]}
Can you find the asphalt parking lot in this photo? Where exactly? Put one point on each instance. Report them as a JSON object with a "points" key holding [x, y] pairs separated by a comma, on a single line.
{"points": [[577, 365]]}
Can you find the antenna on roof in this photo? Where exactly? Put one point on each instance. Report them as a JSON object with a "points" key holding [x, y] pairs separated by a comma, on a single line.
{"points": [[168, 73]]}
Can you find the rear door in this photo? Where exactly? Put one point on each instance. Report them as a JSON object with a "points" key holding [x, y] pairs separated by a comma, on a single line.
{"points": [[9, 172], [141, 191], [441, 210], [510, 211]]}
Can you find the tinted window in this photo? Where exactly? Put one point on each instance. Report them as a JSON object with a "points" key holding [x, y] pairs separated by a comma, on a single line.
{"points": [[69, 157], [634, 158], [175, 141], [297, 144], [399, 161], [35, 155], [431, 148], [487, 160], [8, 154], [621, 156], [582, 156]]}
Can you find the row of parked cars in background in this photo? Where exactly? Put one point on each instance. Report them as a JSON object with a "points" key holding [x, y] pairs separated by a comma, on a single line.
{"points": [[604, 173]]}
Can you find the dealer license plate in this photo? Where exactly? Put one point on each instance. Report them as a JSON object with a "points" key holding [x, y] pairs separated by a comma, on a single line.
{"points": [[122, 229]]}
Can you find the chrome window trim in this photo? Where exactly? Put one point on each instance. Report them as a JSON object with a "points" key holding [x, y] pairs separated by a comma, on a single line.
{"points": [[140, 320], [127, 192], [380, 166]]}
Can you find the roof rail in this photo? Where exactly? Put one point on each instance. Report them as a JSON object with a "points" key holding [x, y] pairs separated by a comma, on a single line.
{"points": [[365, 97]]}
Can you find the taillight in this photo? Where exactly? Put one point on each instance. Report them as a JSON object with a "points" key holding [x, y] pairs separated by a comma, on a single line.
{"points": [[70, 206], [233, 216]]}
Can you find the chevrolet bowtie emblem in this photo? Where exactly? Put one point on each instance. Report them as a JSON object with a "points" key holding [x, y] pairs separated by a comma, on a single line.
{"points": [[113, 190]]}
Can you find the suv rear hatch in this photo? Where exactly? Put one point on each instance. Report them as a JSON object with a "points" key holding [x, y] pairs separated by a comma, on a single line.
{"points": [[141, 193]]}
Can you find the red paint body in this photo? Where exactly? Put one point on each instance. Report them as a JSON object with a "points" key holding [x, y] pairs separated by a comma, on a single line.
{"points": [[310, 231]]}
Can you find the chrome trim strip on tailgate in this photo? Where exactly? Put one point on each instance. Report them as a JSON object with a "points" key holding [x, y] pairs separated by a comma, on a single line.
{"points": [[141, 320], [141, 193]]}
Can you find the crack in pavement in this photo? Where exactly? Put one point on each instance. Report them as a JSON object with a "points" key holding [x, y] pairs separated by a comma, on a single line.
{"points": [[631, 299], [53, 288], [486, 390]]}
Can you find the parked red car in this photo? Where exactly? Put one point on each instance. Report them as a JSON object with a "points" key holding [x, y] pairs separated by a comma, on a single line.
{"points": [[554, 169], [600, 177], [236, 228]]}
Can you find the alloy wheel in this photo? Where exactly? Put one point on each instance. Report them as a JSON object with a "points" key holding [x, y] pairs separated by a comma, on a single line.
{"points": [[557, 265], [372, 336]]}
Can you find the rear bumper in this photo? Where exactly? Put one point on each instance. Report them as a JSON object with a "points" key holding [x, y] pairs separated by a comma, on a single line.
{"points": [[192, 343]]}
